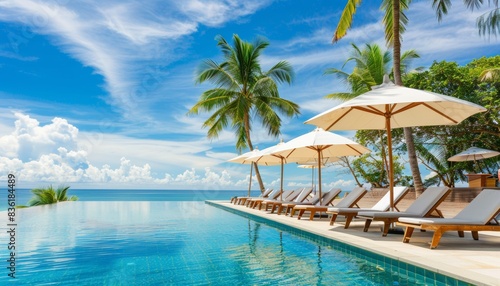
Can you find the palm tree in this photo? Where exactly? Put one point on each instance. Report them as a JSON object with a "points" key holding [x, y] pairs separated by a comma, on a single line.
{"points": [[243, 92], [371, 64], [43, 196], [395, 23]]}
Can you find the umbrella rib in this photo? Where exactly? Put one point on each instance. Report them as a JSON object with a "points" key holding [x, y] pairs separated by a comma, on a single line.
{"points": [[370, 109], [415, 104], [440, 113], [405, 108], [354, 149]]}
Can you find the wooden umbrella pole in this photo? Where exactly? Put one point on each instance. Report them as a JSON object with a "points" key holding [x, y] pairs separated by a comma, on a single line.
{"points": [[250, 181], [391, 165], [281, 194], [319, 176]]}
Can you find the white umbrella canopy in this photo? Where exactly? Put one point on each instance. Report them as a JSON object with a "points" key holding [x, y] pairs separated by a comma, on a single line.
{"points": [[390, 106], [243, 159], [264, 157], [319, 144], [397, 106], [267, 157], [473, 154]]}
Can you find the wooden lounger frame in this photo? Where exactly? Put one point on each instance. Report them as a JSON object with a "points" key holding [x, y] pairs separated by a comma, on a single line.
{"points": [[440, 229]]}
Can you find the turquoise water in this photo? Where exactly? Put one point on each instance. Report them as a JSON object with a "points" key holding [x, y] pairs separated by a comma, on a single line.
{"points": [[24, 195], [183, 243]]}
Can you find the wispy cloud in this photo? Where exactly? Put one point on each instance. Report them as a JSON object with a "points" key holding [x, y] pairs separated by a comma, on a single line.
{"points": [[130, 43], [452, 39]]}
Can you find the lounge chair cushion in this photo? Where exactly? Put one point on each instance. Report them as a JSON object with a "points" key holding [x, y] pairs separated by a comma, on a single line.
{"points": [[303, 195], [351, 198], [478, 212], [418, 208], [385, 202], [426, 200]]}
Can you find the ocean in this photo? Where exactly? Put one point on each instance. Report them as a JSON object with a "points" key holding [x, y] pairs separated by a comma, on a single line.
{"points": [[24, 195]]}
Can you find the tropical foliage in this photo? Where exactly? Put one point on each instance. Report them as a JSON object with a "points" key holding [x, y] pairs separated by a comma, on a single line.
{"points": [[395, 22], [371, 64], [44, 196], [436, 144], [373, 167], [243, 93]]}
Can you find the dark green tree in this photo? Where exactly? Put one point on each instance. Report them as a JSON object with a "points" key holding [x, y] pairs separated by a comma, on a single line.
{"points": [[482, 130]]}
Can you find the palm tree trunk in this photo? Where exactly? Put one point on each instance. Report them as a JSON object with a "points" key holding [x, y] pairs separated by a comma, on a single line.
{"points": [[250, 146], [259, 179], [410, 145], [384, 156], [412, 160]]}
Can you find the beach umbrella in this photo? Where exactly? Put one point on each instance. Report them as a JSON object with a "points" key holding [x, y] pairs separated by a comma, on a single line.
{"points": [[264, 157], [267, 157], [473, 154], [313, 165], [243, 159], [319, 144], [390, 106]]}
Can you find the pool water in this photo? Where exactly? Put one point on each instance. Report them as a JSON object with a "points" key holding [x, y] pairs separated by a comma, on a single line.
{"points": [[178, 243]]}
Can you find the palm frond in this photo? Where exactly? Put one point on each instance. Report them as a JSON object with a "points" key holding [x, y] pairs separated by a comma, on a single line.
{"points": [[441, 7], [389, 17], [345, 21], [492, 74], [406, 59], [489, 23], [61, 193], [282, 72], [343, 96]]}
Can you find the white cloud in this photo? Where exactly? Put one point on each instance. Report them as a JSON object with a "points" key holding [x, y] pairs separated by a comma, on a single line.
{"points": [[215, 12], [54, 153]]}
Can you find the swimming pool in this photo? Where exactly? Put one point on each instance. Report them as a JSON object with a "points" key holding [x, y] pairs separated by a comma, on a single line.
{"points": [[181, 243]]}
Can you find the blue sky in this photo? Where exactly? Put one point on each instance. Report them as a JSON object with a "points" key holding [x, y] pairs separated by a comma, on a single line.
{"points": [[95, 93]]}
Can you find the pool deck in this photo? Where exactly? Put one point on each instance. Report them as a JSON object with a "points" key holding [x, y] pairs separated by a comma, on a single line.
{"points": [[475, 262]]}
